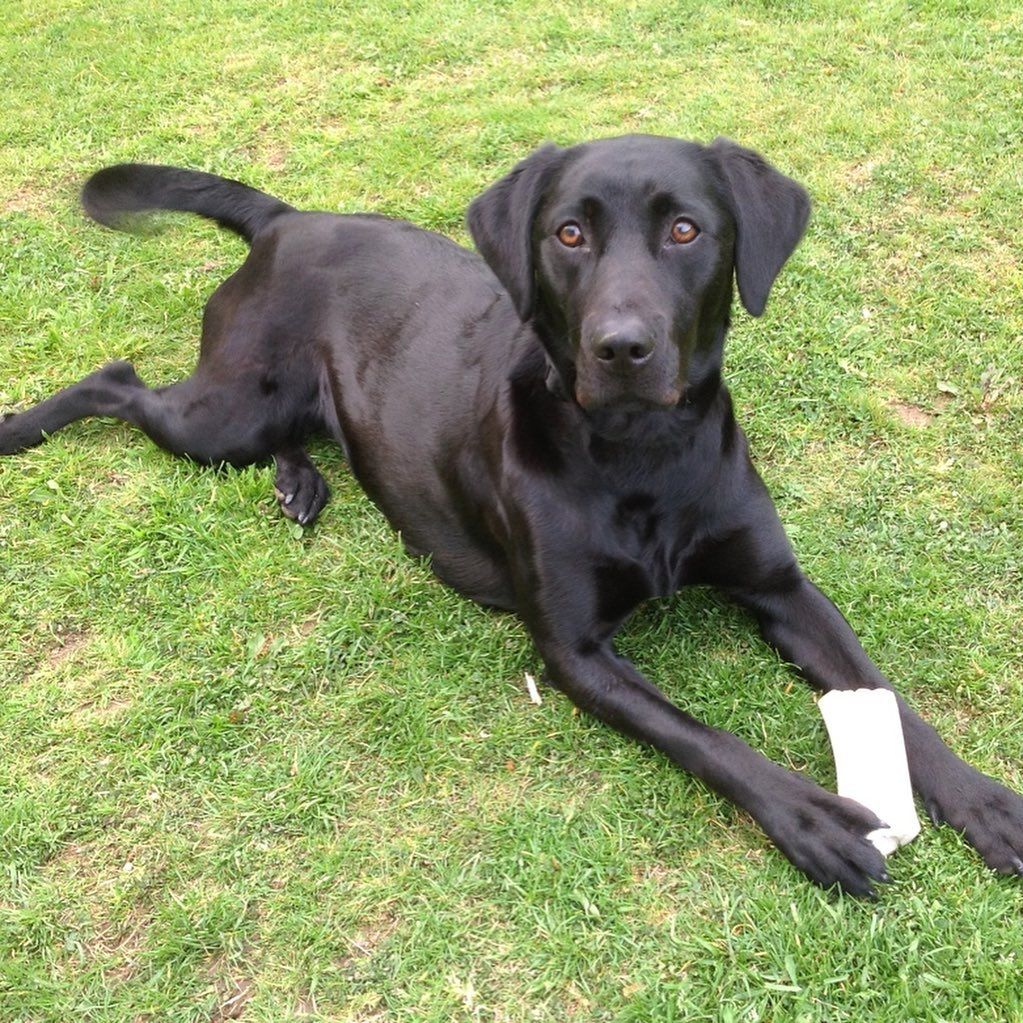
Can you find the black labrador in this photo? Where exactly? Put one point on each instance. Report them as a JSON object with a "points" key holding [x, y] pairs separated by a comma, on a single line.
{"points": [[547, 423]]}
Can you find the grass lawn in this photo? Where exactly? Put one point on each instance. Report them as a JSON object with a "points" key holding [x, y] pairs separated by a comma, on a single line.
{"points": [[250, 772]]}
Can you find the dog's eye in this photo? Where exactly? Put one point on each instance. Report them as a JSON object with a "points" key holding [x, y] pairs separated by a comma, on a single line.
{"points": [[570, 235], [683, 231]]}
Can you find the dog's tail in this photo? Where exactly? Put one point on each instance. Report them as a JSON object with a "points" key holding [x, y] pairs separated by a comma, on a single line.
{"points": [[121, 196]]}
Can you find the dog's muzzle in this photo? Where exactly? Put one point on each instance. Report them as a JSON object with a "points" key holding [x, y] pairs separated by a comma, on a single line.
{"points": [[624, 364]]}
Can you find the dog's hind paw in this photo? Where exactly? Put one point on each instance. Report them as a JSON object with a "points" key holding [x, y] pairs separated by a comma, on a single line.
{"points": [[300, 488], [11, 440]]}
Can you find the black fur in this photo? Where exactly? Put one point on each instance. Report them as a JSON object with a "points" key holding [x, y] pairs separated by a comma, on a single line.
{"points": [[551, 429]]}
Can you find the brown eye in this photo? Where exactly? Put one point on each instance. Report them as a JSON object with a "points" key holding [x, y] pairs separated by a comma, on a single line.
{"points": [[570, 235], [683, 231]]}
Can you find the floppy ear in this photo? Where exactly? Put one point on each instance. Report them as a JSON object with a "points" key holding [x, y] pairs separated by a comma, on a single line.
{"points": [[770, 211], [501, 223]]}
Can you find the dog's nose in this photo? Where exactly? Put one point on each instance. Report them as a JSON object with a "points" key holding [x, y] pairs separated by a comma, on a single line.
{"points": [[624, 346]]}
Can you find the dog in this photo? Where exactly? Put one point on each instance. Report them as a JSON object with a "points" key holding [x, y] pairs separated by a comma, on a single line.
{"points": [[547, 423]]}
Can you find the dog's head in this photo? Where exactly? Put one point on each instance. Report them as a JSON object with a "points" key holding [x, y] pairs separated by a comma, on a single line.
{"points": [[622, 253]]}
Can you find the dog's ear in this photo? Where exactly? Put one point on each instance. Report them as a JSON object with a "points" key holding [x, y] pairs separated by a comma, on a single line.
{"points": [[770, 211], [501, 223]]}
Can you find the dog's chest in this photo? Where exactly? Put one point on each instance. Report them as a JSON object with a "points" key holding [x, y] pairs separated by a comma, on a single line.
{"points": [[644, 542]]}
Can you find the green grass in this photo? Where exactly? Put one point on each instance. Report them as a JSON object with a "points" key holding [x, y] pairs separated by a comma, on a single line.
{"points": [[252, 773]]}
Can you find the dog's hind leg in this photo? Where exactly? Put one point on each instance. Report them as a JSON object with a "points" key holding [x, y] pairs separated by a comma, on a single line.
{"points": [[109, 391], [207, 422], [199, 418], [229, 424]]}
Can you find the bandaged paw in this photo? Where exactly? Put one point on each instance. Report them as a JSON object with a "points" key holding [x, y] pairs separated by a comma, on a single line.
{"points": [[870, 760]]}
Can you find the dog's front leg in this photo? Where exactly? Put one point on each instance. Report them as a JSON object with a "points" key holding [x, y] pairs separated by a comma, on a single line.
{"points": [[809, 632], [821, 833]]}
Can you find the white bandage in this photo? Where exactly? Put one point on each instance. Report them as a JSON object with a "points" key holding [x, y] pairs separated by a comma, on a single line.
{"points": [[870, 760]]}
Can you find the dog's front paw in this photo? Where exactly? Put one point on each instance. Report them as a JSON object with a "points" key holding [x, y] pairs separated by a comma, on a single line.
{"points": [[300, 489], [825, 836], [989, 815]]}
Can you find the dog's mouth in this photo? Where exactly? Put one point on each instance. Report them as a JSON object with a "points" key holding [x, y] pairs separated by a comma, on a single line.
{"points": [[627, 399]]}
